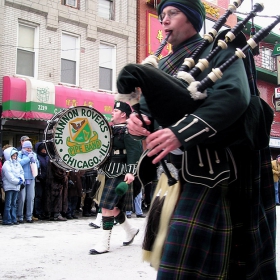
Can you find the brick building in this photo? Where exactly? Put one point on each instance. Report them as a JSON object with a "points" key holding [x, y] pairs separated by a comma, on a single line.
{"points": [[60, 53]]}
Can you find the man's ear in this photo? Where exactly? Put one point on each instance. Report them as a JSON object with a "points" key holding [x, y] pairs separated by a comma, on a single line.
{"points": [[123, 114]]}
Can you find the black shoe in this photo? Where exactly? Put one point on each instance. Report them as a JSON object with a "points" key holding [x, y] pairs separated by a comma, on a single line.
{"points": [[128, 216], [59, 218], [94, 225], [86, 215], [94, 252], [16, 223], [42, 217], [7, 224], [29, 221], [141, 216], [69, 217], [21, 221], [75, 217], [130, 241]]}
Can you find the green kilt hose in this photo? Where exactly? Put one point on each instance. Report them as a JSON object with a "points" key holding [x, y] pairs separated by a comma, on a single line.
{"points": [[110, 199]]}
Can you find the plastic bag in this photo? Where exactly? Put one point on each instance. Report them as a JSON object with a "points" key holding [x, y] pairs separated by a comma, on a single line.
{"points": [[34, 169]]}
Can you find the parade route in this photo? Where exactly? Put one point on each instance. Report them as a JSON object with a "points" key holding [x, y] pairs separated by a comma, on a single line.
{"points": [[59, 251]]}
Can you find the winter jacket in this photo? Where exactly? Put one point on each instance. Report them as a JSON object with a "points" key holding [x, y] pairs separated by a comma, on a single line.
{"points": [[12, 172], [43, 160], [25, 163]]}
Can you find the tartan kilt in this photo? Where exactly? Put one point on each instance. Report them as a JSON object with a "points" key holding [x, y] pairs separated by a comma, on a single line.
{"points": [[199, 238], [110, 199], [226, 232]]}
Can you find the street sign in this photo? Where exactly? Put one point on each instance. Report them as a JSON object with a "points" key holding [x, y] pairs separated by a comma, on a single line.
{"points": [[277, 92], [276, 50]]}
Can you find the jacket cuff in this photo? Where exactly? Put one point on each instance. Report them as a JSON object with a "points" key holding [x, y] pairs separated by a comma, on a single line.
{"points": [[192, 130]]}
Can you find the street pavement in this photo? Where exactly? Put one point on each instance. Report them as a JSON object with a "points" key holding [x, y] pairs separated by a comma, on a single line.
{"points": [[59, 251]]}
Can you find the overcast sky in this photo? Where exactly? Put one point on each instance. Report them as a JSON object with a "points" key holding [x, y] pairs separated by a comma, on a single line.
{"points": [[271, 8]]}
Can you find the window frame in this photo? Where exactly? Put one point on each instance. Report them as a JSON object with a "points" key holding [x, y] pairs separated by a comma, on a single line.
{"points": [[65, 3], [77, 56], [114, 64], [35, 48], [112, 15]]}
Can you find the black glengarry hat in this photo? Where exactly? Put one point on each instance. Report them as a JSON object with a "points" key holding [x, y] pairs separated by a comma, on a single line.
{"points": [[124, 107]]}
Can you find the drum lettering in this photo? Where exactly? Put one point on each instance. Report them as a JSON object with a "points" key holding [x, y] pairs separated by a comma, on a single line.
{"points": [[73, 114], [77, 149], [97, 118], [60, 129], [69, 160], [58, 141], [104, 149], [58, 135], [103, 128], [88, 113]]}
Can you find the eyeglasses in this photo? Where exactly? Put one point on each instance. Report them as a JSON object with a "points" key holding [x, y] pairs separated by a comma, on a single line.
{"points": [[170, 14]]}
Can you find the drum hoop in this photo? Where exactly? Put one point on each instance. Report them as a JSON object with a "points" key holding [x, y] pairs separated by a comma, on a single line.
{"points": [[55, 120]]}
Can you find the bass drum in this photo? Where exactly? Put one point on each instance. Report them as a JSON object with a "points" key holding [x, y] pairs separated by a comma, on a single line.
{"points": [[78, 138]]}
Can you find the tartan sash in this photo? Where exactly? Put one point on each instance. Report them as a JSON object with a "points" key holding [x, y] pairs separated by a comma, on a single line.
{"points": [[172, 62]]}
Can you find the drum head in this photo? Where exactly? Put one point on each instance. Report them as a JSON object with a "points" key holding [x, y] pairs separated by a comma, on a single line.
{"points": [[78, 138]]}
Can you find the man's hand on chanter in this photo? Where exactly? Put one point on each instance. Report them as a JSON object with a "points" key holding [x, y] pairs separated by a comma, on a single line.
{"points": [[135, 126], [161, 143]]}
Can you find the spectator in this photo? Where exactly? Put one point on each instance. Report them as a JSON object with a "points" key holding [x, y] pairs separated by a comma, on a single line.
{"points": [[138, 195], [276, 174], [26, 195], [22, 139], [13, 178], [74, 192], [57, 201], [40, 182]]}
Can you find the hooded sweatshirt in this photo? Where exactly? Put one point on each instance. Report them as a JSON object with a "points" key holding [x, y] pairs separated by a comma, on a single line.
{"points": [[12, 172]]}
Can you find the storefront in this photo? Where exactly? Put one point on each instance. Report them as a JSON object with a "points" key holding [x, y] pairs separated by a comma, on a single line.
{"points": [[27, 105]]}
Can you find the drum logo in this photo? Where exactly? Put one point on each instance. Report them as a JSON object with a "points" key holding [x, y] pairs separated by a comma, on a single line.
{"points": [[82, 139]]}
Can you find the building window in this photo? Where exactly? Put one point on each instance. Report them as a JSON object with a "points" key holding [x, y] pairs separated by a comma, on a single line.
{"points": [[107, 66], [71, 3], [69, 59], [27, 50], [106, 9]]}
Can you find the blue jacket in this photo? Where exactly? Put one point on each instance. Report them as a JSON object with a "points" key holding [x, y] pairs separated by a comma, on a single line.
{"points": [[12, 172], [25, 163]]}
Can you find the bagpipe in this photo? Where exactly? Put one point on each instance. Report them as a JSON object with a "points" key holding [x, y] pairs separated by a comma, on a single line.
{"points": [[186, 92]]}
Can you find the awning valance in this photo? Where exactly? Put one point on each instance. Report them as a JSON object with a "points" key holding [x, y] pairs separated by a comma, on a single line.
{"points": [[32, 99]]}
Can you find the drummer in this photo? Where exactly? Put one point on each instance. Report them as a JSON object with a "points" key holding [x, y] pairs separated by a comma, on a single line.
{"points": [[120, 168]]}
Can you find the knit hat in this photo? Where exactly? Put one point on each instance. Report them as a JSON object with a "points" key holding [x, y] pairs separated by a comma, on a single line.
{"points": [[278, 156], [24, 138], [193, 9], [26, 144], [124, 107]]}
